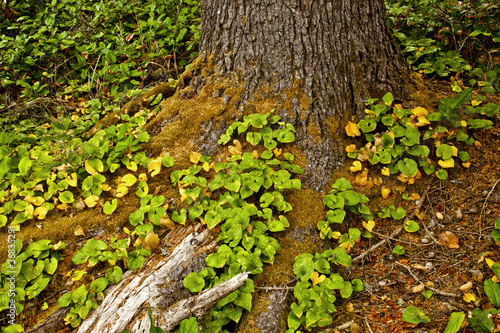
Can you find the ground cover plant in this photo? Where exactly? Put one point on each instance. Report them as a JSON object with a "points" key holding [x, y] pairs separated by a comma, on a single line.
{"points": [[430, 169]]}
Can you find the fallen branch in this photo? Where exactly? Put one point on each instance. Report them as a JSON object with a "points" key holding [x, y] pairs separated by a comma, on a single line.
{"points": [[157, 285], [196, 306], [436, 291]]}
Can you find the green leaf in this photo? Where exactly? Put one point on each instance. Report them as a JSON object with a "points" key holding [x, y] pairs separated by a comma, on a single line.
{"points": [[346, 292], [408, 167], [444, 151], [193, 282], [99, 284], [110, 206], [388, 99], [456, 320], [442, 174], [303, 268], [168, 161], [79, 295], [427, 294], [357, 284], [136, 217], [398, 249], [254, 138], [493, 291], [66, 197], [412, 226], [189, 325], [64, 300], [114, 274], [414, 315]]}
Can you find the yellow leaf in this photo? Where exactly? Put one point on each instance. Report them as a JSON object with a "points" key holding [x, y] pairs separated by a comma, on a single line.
{"points": [[419, 214], [469, 297], [336, 235], [352, 129], [475, 102], [151, 242], [419, 111], [356, 166], [182, 192], [105, 187], [449, 163], [132, 166], [489, 262], [143, 177], [494, 279], [89, 168], [466, 164], [277, 152], [236, 149], [477, 144], [62, 206], [369, 225], [194, 157], [206, 165], [316, 278], [403, 178], [129, 180], [166, 222], [463, 123], [155, 166], [361, 179], [29, 209], [72, 180], [454, 150], [385, 171], [385, 192], [40, 212], [415, 196], [350, 148], [422, 121], [121, 190], [91, 201]]}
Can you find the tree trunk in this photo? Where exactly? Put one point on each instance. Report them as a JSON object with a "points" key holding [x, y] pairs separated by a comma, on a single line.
{"points": [[315, 61]]}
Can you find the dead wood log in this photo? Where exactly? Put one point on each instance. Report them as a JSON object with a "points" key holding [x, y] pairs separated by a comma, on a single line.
{"points": [[157, 285]]}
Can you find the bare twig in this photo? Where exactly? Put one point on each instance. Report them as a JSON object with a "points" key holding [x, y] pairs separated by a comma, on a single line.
{"points": [[436, 291], [274, 288], [487, 197], [394, 234]]}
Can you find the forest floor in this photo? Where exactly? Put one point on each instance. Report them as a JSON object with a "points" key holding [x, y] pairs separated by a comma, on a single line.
{"points": [[448, 252]]}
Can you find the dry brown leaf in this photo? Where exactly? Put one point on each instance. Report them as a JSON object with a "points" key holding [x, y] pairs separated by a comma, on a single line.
{"points": [[449, 240], [466, 287], [418, 289], [419, 267], [79, 231]]}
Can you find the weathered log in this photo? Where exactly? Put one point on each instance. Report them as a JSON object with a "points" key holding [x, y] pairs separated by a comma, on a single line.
{"points": [[157, 285]]}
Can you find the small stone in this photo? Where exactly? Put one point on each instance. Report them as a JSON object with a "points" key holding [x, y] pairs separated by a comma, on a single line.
{"points": [[431, 254], [431, 224], [382, 283], [439, 216], [424, 241], [459, 214], [429, 265]]}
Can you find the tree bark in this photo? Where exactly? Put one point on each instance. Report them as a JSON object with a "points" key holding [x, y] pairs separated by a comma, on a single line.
{"points": [[316, 61]]}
